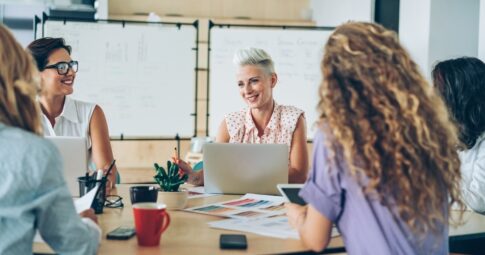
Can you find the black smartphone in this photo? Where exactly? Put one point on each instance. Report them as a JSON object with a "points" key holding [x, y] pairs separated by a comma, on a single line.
{"points": [[227, 241], [290, 192], [121, 233]]}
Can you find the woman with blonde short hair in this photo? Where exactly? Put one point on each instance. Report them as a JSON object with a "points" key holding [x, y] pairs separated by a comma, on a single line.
{"points": [[263, 121]]}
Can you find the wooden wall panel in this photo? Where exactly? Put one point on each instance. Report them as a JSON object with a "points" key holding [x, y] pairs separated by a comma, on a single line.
{"points": [[253, 9]]}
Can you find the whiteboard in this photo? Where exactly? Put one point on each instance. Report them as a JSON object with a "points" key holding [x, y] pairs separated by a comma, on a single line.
{"points": [[296, 53], [141, 75]]}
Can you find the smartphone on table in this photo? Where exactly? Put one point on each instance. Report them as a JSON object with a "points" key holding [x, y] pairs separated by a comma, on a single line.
{"points": [[121, 233], [232, 241]]}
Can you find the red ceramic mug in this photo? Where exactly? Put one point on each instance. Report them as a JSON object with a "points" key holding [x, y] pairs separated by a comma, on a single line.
{"points": [[151, 220]]}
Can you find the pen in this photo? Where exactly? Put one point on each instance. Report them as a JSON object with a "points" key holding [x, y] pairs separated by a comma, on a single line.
{"points": [[87, 180], [175, 155], [110, 167]]}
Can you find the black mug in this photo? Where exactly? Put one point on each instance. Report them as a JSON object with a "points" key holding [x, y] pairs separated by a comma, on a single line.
{"points": [[139, 194], [88, 183]]}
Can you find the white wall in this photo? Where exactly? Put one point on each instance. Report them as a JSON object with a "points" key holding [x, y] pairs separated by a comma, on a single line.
{"points": [[453, 30], [481, 33], [335, 12], [414, 25], [434, 30]]}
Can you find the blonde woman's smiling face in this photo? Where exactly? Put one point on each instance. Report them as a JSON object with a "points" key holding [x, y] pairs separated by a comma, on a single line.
{"points": [[255, 86]]}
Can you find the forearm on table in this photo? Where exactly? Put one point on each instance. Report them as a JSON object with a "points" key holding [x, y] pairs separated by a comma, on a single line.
{"points": [[315, 230]]}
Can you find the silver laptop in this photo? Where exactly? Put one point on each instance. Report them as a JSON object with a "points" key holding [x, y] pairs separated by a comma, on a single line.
{"points": [[74, 159], [245, 168]]}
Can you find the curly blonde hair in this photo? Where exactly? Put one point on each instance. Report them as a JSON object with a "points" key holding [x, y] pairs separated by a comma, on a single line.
{"points": [[390, 125], [19, 84]]}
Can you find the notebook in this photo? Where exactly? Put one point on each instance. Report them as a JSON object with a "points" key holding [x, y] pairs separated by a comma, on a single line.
{"points": [[74, 159], [245, 168]]}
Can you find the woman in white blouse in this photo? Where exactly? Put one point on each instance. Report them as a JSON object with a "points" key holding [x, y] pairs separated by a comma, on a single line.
{"points": [[63, 115], [461, 82]]}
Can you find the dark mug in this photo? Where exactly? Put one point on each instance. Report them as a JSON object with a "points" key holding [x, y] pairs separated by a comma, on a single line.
{"points": [[143, 194]]}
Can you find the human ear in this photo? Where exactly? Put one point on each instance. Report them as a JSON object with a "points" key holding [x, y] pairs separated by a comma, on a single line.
{"points": [[274, 79]]}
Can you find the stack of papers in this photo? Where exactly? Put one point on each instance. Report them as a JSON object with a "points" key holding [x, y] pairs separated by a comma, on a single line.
{"points": [[277, 227], [274, 227], [258, 214], [250, 206]]}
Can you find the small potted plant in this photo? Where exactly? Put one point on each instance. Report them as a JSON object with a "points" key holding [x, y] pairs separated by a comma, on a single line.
{"points": [[170, 181]]}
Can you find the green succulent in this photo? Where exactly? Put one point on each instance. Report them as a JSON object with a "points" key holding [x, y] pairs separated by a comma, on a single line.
{"points": [[169, 180]]}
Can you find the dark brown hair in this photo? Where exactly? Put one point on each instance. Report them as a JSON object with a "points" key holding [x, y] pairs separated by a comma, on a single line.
{"points": [[42, 48], [461, 83]]}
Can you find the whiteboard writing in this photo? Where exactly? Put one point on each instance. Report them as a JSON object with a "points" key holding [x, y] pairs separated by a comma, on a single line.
{"points": [[141, 75]]}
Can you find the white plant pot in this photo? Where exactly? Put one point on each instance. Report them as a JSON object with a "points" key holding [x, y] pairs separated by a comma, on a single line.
{"points": [[174, 200]]}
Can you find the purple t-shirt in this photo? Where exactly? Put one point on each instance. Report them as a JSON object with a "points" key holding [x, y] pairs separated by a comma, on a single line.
{"points": [[366, 226]]}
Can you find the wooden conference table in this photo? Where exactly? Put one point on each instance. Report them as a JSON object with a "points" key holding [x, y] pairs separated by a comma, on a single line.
{"points": [[188, 233]]}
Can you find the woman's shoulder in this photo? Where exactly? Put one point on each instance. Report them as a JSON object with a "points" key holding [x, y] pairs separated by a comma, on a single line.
{"points": [[290, 109], [27, 145], [289, 116], [235, 121], [82, 104], [84, 110], [290, 112], [236, 117]]}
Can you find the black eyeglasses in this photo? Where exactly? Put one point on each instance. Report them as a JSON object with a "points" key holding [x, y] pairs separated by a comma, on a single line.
{"points": [[63, 67], [114, 201]]}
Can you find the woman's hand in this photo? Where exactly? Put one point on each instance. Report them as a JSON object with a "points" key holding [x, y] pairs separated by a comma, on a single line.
{"points": [[195, 178], [296, 214], [89, 214], [110, 179]]}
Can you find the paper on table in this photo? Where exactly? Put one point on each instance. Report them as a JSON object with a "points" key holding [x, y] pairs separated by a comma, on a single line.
{"points": [[81, 204], [198, 192], [84, 203], [277, 227], [250, 206]]}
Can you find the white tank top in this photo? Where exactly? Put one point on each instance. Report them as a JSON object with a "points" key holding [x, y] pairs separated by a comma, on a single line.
{"points": [[73, 121]]}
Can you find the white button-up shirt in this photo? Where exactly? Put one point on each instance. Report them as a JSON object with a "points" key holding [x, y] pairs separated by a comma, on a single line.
{"points": [[74, 120], [473, 175]]}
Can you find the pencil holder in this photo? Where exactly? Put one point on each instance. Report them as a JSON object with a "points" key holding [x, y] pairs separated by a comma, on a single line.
{"points": [[88, 183]]}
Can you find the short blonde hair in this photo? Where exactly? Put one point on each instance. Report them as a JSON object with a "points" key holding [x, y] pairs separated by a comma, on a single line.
{"points": [[254, 56], [19, 84]]}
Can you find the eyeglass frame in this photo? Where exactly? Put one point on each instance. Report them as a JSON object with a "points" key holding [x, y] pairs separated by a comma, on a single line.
{"points": [[117, 202], [70, 65]]}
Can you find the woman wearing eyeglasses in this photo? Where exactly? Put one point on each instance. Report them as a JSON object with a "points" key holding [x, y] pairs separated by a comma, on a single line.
{"points": [[63, 115]]}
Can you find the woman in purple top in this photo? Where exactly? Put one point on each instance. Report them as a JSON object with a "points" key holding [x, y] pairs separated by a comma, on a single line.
{"points": [[385, 169]]}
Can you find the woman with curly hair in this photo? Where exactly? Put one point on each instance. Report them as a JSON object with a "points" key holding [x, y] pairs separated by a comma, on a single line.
{"points": [[461, 83], [384, 169]]}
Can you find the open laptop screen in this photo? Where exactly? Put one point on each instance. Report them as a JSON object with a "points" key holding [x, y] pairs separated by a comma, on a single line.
{"points": [[74, 159], [245, 168]]}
